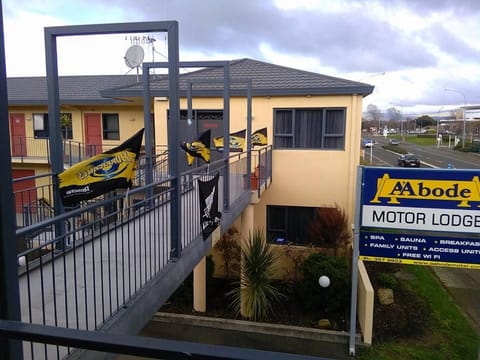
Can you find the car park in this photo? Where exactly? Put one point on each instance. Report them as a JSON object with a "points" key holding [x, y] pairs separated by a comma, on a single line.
{"points": [[408, 160]]}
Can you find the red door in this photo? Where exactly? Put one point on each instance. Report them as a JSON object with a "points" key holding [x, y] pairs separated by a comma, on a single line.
{"points": [[17, 135], [93, 134], [25, 192]]}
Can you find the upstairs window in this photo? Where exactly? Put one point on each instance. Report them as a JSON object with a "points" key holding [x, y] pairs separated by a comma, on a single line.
{"points": [[40, 125], [111, 127], [318, 128]]}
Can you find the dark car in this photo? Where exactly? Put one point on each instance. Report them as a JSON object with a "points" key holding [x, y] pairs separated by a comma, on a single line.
{"points": [[408, 160]]}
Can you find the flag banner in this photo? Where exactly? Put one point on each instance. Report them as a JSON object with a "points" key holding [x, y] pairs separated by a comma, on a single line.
{"points": [[199, 148], [259, 137], [236, 143], [112, 169], [209, 214]]}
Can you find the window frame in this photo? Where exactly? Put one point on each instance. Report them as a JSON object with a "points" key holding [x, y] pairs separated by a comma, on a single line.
{"points": [[42, 133], [296, 115], [281, 236], [107, 132]]}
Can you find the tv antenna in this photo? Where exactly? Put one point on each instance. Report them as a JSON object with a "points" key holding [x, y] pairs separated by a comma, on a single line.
{"points": [[134, 57]]}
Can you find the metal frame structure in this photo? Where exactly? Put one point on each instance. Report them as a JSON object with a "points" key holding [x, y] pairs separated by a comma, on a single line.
{"points": [[131, 317], [9, 300]]}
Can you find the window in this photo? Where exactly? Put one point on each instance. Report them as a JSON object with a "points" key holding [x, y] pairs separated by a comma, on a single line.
{"points": [[289, 224], [40, 125], [321, 128], [66, 121], [111, 129]]}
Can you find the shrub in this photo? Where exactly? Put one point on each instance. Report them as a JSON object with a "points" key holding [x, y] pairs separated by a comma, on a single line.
{"points": [[295, 256], [229, 248], [334, 298], [255, 295], [329, 228]]}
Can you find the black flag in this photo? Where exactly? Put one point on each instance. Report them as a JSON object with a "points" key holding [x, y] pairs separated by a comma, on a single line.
{"points": [[209, 214]]}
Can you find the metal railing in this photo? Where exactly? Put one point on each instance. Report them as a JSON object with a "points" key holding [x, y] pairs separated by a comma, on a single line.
{"points": [[26, 149], [110, 249], [23, 148]]}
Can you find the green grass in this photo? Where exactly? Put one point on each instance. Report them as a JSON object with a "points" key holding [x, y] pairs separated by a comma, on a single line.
{"points": [[419, 140], [449, 335]]}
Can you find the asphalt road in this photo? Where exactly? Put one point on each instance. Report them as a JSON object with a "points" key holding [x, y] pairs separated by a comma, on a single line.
{"points": [[462, 284]]}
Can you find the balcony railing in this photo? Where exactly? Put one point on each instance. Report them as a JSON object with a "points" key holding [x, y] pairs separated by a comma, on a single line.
{"points": [[80, 269], [26, 149]]}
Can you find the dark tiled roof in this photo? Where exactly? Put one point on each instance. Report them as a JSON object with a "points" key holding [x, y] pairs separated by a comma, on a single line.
{"points": [[73, 89], [267, 80]]}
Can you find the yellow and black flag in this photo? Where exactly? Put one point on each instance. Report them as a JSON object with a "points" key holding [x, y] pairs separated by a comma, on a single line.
{"points": [[199, 148], [259, 137], [236, 143], [112, 169]]}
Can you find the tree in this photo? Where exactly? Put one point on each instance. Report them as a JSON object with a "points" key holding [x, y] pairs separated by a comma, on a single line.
{"points": [[425, 120], [374, 114], [394, 116]]}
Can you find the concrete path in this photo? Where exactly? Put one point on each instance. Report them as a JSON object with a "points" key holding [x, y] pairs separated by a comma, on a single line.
{"points": [[464, 286]]}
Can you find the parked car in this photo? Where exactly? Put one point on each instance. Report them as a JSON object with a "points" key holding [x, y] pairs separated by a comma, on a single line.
{"points": [[394, 142], [408, 160], [368, 143]]}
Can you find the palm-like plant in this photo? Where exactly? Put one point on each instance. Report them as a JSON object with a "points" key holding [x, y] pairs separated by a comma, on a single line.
{"points": [[256, 294]]}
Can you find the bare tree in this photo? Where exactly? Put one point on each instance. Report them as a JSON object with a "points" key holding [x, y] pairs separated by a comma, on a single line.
{"points": [[375, 114]]}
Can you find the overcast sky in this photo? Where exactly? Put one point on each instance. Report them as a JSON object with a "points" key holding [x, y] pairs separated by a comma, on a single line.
{"points": [[420, 46]]}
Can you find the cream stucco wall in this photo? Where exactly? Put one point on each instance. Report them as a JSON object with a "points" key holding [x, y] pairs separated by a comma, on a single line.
{"points": [[300, 177], [130, 119]]}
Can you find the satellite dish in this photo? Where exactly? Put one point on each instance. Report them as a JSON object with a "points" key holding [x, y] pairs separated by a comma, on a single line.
{"points": [[134, 56]]}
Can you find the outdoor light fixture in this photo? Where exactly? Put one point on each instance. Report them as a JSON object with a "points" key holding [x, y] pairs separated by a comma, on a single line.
{"points": [[324, 281]]}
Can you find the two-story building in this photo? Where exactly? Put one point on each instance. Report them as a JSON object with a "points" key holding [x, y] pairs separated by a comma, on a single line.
{"points": [[313, 122]]}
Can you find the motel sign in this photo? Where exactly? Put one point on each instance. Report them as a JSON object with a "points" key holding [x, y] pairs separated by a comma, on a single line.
{"points": [[420, 216]]}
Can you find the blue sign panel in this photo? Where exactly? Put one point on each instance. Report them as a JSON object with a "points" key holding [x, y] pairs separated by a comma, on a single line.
{"points": [[419, 249], [396, 204]]}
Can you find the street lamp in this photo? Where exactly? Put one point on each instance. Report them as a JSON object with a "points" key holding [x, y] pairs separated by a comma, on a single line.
{"points": [[438, 123], [372, 75], [464, 109]]}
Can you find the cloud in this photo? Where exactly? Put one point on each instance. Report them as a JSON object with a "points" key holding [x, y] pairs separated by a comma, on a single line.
{"points": [[422, 45]]}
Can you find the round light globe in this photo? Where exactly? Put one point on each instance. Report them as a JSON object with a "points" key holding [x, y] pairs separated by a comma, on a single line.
{"points": [[324, 281]]}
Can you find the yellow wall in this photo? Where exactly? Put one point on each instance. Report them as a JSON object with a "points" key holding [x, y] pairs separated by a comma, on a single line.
{"points": [[130, 119], [300, 177]]}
